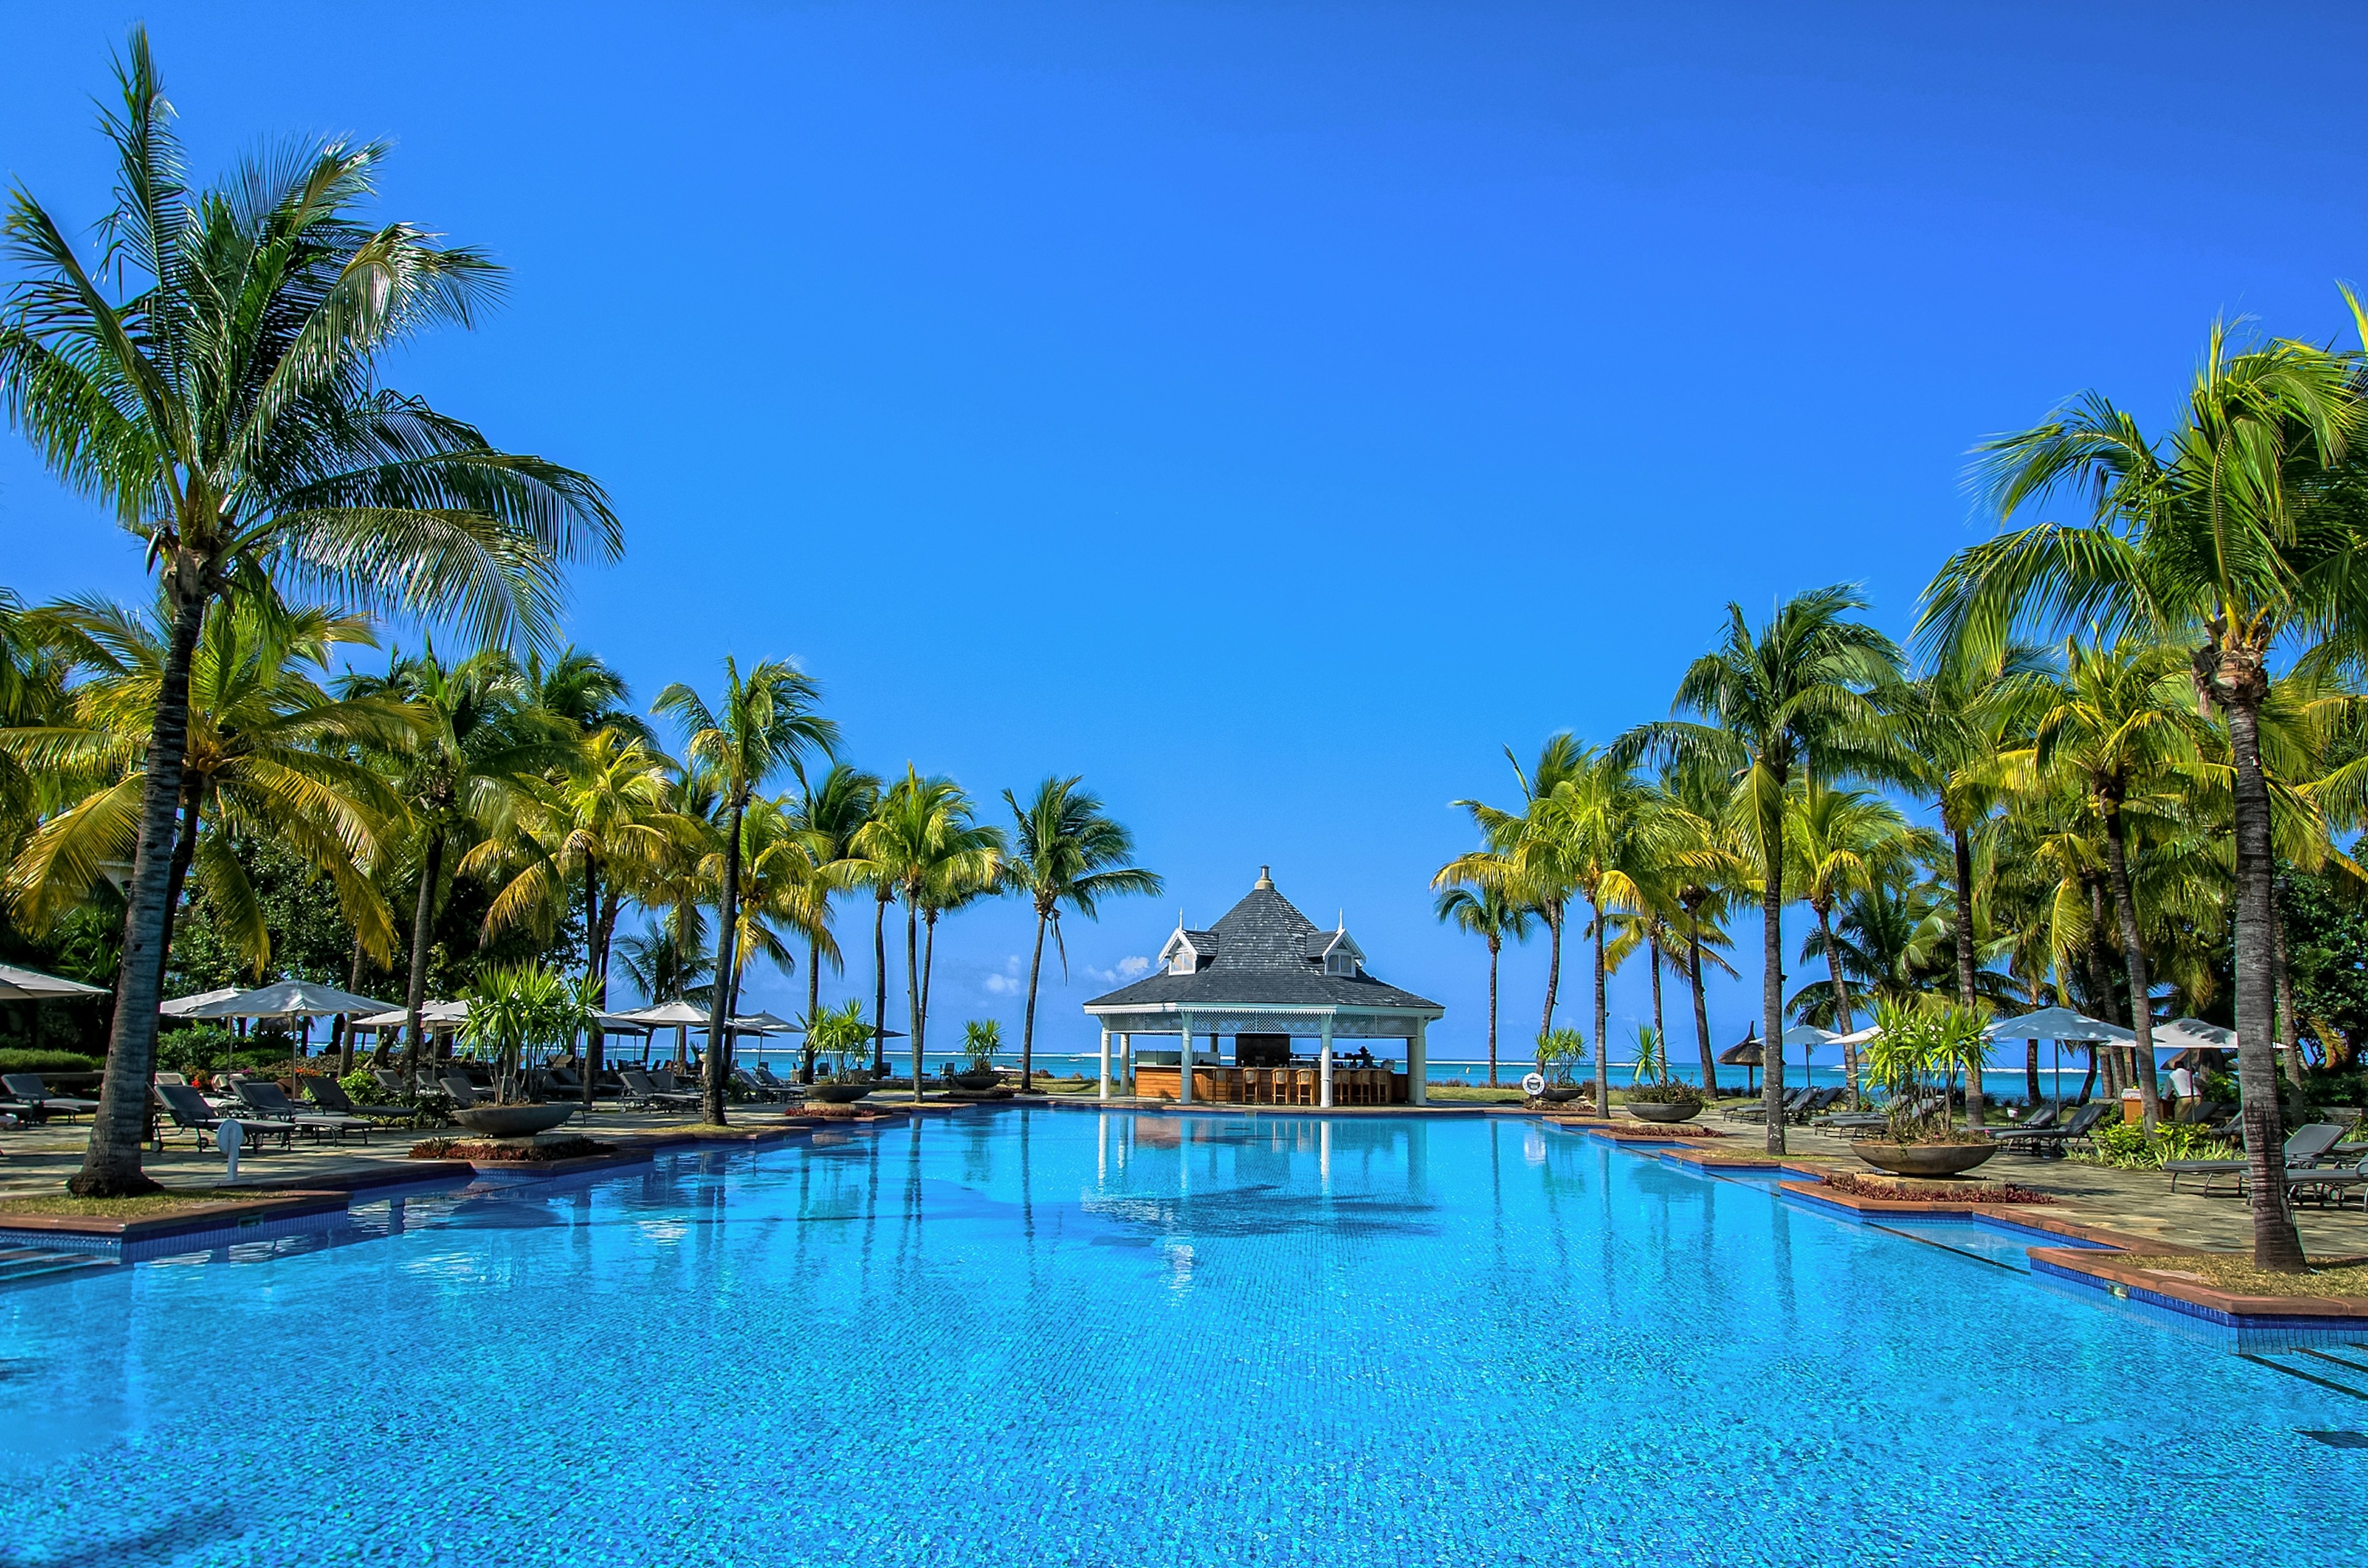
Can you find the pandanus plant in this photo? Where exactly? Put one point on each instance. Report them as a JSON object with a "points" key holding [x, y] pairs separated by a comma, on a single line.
{"points": [[1914, 1058], [517, 1008]]}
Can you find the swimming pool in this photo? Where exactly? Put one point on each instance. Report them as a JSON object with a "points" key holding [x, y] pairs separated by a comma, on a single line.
{"points": [[1065, 1337]]}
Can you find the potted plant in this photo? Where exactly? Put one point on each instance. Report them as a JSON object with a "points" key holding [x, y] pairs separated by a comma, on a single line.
{"points": [[982, 1038], [513, 1009], [1657, 1097], [841, 1035], [1915, 1059], [1558, 1049]]}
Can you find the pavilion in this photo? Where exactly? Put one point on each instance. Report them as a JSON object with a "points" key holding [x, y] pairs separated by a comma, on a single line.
{"points": [[1265, 975]]}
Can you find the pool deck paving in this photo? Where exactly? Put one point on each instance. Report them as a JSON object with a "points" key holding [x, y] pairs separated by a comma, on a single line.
{"points": [[2130, 1209]]}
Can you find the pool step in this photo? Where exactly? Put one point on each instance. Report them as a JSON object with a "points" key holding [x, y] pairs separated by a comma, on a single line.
{"points": [[31, 1263]]}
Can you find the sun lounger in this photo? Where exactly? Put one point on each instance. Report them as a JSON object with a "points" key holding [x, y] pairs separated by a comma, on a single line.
{"points": [[461, 1092], [269, 1101], [27, 1088], [1758, 1111], [786, 1089], [2304, 1147], [2328, 1182], [2049, 1143], [749, 1085], [192, 1114], [640, 1090], [330, 1095]]}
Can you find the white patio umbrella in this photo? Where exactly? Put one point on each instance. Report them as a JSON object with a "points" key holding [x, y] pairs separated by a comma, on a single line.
{"points": [[2059, 1025], [681, 1016], [32, 985], [432, 1016], [289, 999], [1808, 1037], [183, 1007]]}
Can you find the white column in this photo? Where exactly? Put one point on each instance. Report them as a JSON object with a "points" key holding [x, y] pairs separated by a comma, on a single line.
{"points": [[1184, 1062], [1324, 1063], [1105, 1085], [1126, 1063], [1418, 1063]]}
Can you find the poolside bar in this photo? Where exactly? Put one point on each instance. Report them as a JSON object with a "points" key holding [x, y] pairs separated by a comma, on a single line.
{"points": [[1268, 979]]}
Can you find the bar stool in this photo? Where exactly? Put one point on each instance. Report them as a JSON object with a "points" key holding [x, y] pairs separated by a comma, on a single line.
{"points": [[1364, 1076], [1303, 1085]]}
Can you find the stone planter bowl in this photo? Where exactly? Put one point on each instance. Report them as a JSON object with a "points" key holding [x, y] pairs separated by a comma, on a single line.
{"points": [[837, 1094], [1665, 1111], [974, 1082], [1922, 1159], [512, 1121]]}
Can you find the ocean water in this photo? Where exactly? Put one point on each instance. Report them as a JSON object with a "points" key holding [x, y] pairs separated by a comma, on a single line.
{"points": [[1068, 1337]]}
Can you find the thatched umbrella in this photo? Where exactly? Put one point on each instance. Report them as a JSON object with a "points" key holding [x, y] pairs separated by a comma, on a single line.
{"points": [[1747, 1054]]}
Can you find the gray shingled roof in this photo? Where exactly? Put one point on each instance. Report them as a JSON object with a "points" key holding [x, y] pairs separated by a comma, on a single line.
{"points": [[1262, 958]]}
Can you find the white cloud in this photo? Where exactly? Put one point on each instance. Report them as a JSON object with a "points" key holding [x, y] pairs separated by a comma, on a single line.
{"points": [[1002, 985], [1131, 967]]}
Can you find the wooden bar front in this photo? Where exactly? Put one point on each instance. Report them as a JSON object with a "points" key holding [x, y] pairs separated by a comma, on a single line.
{"points": [[1216, 1084]]}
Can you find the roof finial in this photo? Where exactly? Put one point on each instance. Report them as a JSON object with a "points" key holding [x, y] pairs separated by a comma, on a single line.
{"points": [[1265, 880]]}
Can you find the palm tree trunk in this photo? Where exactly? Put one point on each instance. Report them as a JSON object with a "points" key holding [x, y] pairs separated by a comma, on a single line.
{"points": [[813, 1005], [1602, 1019], [1554, 977], [2125, 906], [719, 1006], [431, 865], [880, 994], [1844, 1019], [110, 1164], [928, 973], [1028, 1021], [2031, 1070], [913, 990], [1702, 1007], [1496, 945], [1772, 980], [1660, 1034], [604, 922], [2276, 1244], [2087, 1079], [1964, 890], [184, 851], [2288, 1043]]}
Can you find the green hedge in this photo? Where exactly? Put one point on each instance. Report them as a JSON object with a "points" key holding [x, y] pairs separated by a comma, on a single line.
{"points": [[48, 1061]]}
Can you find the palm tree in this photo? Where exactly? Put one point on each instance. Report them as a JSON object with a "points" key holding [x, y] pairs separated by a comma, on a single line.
{"points": [[1790, 699], [1838, 842], [604, 826], [1702, 874], [765, 724], [1613, 837], [1957, 723], [1487, 915], [827, 817], [665, 968], [476, 743], [268, 752], [224, 403], [924, 847], [2115, 727], [2241, 528], [783, 896], [1064, 850], [1526, 856]]}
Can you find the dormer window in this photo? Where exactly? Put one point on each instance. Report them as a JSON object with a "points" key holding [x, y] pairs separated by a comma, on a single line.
{"points": [[1340, 963], [1188, 952], [1337, 951]]}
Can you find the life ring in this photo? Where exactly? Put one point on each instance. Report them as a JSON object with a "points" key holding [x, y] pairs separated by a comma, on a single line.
{"points": [[1533, 1083]]}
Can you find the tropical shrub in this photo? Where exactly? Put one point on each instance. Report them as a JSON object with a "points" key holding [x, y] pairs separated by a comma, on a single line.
{"points": [[840, 1036], [2125, 1146], [49, 1062], [982, 1038], [194, 1046], [1559, 1049], [516, 1008], [1914, 1058]]}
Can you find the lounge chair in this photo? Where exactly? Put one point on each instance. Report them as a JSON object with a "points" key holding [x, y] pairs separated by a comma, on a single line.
{"points": [[2050, 1142], [192, 1115], [330, 1095], [787, 1089], [640, 1090], [749, 1085], [461, 1092], [2304, 1148], [1819, 1100], [2325, 1182], [269, 1101], [1757, 1110], [27, 1088]]}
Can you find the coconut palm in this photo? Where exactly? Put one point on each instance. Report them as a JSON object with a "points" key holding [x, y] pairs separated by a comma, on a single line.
{"points": [[601, 828], [828, 814], [268, 752], [1787, 701], [1486, 913], [1957, 723], [2116, 729], [1614, 839], [764, 725], [212, 381], [1702, 873], [1840, 842], [1065, 851], [923, 845], [784, 897], [475, 744], [2238, 530], [1526, 857]]}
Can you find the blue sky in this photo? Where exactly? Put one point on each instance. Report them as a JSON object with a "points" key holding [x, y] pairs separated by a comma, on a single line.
{"points": [[1269, 411]]}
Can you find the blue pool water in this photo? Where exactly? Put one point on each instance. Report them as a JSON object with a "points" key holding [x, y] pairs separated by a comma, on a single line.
{"points": [[1060, 1337]]}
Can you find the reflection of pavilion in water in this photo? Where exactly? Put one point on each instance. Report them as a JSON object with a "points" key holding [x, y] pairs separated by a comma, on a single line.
{"points": [[1265, 976], [1252, 1175]]}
